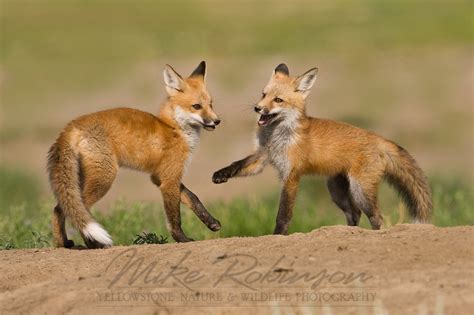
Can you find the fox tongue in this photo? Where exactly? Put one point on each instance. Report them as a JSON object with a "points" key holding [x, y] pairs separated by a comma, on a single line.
{"points": [[263, 119]]}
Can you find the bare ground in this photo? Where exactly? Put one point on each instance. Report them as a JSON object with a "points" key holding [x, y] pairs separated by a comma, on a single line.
{"points": [[407, 269]]}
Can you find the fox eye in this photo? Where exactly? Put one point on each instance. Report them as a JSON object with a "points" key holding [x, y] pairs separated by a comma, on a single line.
{"points": [[197, 106], [263, 95], [277, 100]]}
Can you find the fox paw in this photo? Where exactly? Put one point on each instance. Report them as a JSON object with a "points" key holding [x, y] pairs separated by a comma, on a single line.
{"points": [[220, 176], [215, 226], [183, 239]]}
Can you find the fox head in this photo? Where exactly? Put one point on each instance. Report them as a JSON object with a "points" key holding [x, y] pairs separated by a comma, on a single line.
{"points": [[283, 98], [189, 100]]}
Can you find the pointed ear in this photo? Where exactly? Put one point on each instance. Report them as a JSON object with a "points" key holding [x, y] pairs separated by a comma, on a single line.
{"points": [[305, 82], [200, 71], [173, 81], [282, 69]]}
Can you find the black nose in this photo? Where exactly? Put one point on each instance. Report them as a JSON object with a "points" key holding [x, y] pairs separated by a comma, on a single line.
{"points": [[257, 109], [217, 121]]}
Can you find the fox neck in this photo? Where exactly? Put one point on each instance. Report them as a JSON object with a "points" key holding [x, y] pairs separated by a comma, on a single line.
{"points": [[292, 120], [286, 127], [174, 116], [278, 137]]}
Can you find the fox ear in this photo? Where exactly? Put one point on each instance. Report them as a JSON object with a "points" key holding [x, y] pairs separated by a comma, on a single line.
{"points": [[173, 81], [281, 70], [305, 82], [200, 71]]}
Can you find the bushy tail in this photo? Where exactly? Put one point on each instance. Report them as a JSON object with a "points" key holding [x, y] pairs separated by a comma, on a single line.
{"points": [[64, 169], [406, 176]]}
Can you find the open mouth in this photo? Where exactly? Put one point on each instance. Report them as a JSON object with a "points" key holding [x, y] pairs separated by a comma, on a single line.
{"points": [[209, 127], [265, 119]]}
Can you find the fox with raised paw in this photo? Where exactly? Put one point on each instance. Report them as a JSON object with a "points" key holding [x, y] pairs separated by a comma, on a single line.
{"points": [[354, 160]]}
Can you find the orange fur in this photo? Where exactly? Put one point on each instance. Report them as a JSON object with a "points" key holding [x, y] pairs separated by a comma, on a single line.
{"points": [[355, 160], [85, 159]]}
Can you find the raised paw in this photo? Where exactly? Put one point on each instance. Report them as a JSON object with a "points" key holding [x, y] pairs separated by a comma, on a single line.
{"points": [[215, 226], [220, 176]]}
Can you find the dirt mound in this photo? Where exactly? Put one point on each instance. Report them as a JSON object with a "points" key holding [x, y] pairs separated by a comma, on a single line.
{"points": [[405, 269]]}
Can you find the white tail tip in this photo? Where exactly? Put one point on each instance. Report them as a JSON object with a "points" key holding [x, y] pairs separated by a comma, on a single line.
{"points": [[94, 231]]}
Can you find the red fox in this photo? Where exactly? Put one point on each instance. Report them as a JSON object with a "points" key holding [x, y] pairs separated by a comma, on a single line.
{"points": [[355, 160], [84, 160]]}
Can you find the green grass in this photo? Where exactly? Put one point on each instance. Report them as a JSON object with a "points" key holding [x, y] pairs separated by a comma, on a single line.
{"points": [[149, 238], [17, 188], [384, 61], [26, 222]]}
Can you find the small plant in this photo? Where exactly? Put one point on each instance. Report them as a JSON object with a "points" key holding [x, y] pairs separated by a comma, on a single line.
{"points": [[7, 244], [150, 238], [38, 240]]}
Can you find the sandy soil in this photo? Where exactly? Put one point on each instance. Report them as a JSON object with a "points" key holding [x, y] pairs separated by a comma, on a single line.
{"points": [[405, 269]]}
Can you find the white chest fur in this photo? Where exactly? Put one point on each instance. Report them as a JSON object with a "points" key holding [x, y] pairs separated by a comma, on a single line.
{"points": [[192, 138], [276, 140], [191, 134], [190, 131]]}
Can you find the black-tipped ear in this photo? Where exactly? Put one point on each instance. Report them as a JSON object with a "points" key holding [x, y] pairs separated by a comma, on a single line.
{"points": [[200, 71], [282, 68]]}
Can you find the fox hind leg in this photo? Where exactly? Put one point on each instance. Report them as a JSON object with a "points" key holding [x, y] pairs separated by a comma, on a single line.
{"points": [[338, 187], [59, 228], [97, 176], [364, 197], [96, 182]]}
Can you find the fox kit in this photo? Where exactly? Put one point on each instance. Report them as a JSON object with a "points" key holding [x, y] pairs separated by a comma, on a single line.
{"points": [[84, 160], [354, 159]]}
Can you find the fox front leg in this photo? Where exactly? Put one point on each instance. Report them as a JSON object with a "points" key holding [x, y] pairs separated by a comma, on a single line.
{"points": [[287, 202], [193, 202], [251, 165], [171, 192]]}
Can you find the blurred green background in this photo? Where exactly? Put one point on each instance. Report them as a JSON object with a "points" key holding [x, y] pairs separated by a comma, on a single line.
{"points": [[400, 68]]}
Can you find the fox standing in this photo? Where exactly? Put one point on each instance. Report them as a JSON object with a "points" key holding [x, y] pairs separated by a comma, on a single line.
{"points": [[84, 160], [354, 159]]}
